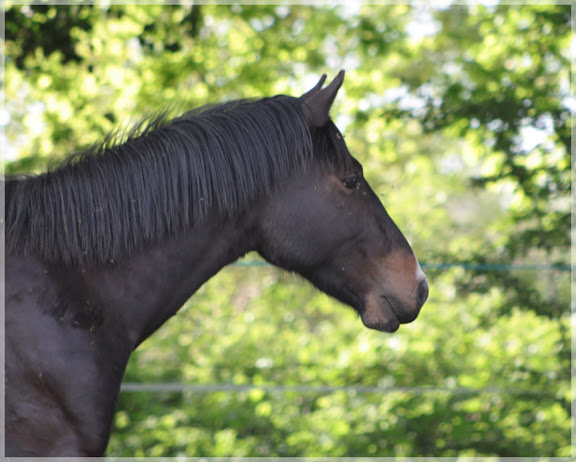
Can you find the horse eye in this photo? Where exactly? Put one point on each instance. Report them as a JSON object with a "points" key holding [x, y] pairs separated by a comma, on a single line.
{"points": [[351, 182]]}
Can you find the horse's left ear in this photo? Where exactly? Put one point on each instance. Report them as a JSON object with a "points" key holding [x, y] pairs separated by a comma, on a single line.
{"points": [[317, 102]]}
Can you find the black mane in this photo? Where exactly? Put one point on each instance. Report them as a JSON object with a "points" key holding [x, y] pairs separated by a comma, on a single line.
{"points": [[113, 200]]}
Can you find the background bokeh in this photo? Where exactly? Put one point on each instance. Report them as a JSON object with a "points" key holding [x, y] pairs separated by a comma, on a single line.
{"points": [[460, 115]]}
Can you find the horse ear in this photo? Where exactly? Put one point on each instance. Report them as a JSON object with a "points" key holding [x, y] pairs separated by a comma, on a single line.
{"points": [[314, 90], [317, 102]]}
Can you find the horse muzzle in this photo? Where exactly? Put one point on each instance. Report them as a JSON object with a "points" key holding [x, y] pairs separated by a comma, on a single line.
{"points": [[385, 312]]}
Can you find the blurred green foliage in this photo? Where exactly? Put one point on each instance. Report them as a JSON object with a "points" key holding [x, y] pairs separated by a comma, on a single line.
{"points": [[461, 118]]}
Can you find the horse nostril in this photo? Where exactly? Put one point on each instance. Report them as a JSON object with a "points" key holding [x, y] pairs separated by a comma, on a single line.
{"points": [[422, 292]]}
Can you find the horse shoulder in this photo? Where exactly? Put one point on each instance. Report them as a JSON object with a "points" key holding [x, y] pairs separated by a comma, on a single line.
{"points": [[60, 396]]}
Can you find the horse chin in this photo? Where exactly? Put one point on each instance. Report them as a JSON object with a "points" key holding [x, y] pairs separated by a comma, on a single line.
{"points": [[378, 314]]}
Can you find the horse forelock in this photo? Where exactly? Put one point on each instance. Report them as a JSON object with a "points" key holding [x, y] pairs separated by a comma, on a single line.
{"points": [[166, 176]]}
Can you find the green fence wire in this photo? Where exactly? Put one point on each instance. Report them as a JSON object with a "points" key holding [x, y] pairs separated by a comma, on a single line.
{"points": [[463, 265], [224, 387]]}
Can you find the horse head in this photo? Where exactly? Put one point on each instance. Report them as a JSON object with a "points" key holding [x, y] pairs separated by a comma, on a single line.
{"points": [[328, 225]]}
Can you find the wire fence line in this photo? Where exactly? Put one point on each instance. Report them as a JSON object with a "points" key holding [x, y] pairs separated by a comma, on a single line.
{"points": [[130, 387], [464, 265]]}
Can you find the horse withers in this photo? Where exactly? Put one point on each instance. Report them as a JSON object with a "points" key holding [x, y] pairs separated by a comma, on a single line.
{"points": [[101, 251]]}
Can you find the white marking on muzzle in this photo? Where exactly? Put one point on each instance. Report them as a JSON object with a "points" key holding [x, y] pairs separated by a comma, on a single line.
{"points": [[420, 276]]}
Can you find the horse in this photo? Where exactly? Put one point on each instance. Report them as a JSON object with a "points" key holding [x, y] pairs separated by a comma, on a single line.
{"points": [[104, 248]]}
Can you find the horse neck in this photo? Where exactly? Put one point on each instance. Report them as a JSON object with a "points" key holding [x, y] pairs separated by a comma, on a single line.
{"points": [[145, 290]]}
